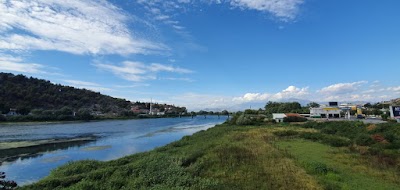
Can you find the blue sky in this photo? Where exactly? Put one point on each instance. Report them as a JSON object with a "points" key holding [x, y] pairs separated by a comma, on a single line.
{"points": [[216, 54]]}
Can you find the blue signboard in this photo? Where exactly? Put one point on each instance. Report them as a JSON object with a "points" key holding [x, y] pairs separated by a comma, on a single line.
{"points": [[395, 111]]}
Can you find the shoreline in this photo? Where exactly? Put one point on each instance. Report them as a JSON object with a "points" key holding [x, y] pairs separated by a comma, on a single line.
{"points": [[16, 149], [83, 121]]}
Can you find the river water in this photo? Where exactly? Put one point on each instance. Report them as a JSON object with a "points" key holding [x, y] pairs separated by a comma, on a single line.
{"points": [[113, 139]]}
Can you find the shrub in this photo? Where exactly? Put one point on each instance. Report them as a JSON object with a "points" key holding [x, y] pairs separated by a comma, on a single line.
{"points": [[314, 125], [2, 118], [232, 120], [331, 140], [364, 140], [244, 120], [311, 136], [378, 138], [5, 184], [336, 141], [286, 133], [316, 167], [294, 119]]}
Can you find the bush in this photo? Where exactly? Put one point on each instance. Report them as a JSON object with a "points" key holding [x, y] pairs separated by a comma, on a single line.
{"points": [[294, 119], [286, 133], [2, 118], [336, 141], [331, 140], [5, 184], [232, 120], [244, 120], [311, 136], [364, 140]]}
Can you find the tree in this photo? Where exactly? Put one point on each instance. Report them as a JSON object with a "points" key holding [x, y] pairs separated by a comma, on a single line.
{"points": [[284, 107], [367, 105], [313, 105], [224, 112], [5, 184], [2, 118], [84, 114]]}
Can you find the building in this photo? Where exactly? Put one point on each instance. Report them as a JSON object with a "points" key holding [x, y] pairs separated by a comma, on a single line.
{"points": [[325, 112], [12, 112], [138, 110], [395, 112], [278, 117]]}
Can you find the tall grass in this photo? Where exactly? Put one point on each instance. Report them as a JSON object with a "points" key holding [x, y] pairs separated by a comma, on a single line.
{"points": [[234, 157]]}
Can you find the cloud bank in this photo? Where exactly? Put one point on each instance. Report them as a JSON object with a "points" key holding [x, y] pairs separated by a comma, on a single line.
{"points": [[73, 26], [137, 71]]}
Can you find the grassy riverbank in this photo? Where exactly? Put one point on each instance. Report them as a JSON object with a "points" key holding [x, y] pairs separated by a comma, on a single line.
{"points": [[238, 157]]}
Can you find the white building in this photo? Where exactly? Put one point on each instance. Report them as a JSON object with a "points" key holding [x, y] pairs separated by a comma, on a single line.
{"points": [[325, 112], [278, 117], [395, 112]]}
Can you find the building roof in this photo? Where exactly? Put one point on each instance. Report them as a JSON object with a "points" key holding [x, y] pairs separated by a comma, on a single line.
{"points": [[293, 115]]}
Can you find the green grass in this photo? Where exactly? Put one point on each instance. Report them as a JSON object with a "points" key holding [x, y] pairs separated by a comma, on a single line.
{"points": [[230, 157], [341, 169]]}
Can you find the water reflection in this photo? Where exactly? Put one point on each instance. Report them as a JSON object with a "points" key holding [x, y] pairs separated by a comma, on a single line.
{"points": [[22, 153]]}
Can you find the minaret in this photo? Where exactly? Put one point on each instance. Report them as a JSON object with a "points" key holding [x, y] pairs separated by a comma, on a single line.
{"points": [[151, 106]]}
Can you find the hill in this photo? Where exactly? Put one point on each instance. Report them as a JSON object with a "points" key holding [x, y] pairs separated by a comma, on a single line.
{"points": [[42, 100], [26, 94]]}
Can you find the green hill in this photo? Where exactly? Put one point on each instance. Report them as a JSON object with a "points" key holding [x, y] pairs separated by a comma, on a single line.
{"points": [[33, 99], [26, 94]]}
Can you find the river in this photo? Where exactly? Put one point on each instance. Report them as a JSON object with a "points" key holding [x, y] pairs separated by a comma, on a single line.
{"points": [[109, 140]]}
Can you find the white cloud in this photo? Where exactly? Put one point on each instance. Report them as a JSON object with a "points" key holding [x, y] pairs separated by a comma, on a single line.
{"points": [[289, 92], [73, 26], [249, 97], [16, 64], [87, 85], [283, 9], [132, 85], [167, 11], [342, 88], [178, 79], [357, 91], [137, 71], [194, 101], [394, 89], [81, 83], [156, 67]]}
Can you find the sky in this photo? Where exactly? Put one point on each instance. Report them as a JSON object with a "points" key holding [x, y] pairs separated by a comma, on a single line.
{"points": [[208, 54]]}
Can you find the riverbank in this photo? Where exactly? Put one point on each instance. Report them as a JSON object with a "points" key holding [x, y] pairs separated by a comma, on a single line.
{"points": [[11, 151], [238, 157], [28, 121]]}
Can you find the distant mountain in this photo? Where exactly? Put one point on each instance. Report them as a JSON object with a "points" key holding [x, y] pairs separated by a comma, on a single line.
{"points": [[26, 94]]}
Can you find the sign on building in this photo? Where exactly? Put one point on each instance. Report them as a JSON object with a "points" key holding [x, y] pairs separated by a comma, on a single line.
{"points": [[395, 111]]}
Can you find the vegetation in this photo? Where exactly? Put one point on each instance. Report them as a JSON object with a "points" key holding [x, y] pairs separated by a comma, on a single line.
{"points": [[26, 94], [31, 99], [294, 119], [5, 184], [331, 155], [285, 107]]}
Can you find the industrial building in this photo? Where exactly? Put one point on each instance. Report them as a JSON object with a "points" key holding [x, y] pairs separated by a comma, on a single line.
{"points": [[331, 111]]}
